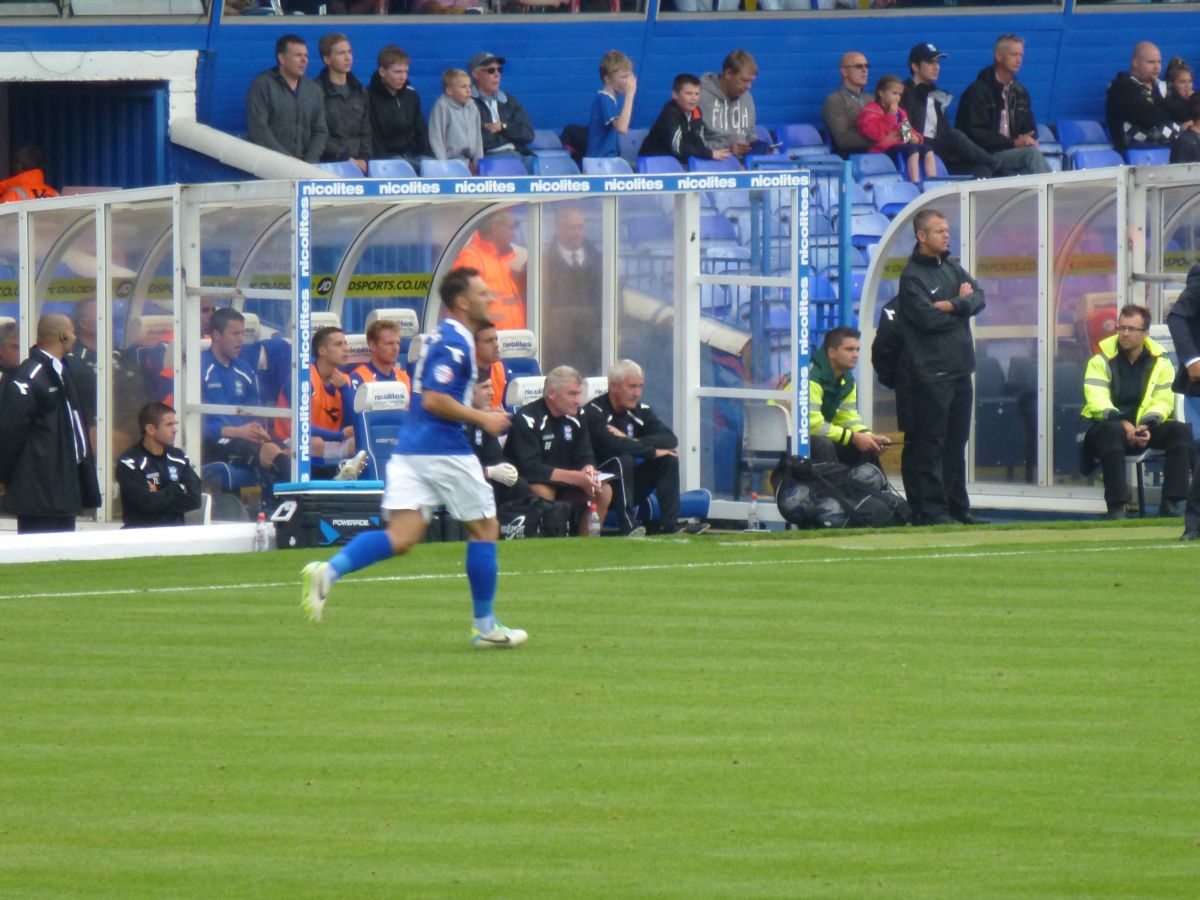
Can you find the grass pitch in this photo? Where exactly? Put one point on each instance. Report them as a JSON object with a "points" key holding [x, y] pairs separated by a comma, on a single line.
{"points": [[927, 713]]}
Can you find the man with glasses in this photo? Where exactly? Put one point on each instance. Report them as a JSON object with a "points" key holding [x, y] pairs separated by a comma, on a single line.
{"points": [[841, 109], [1127, 392], [507, 130]]}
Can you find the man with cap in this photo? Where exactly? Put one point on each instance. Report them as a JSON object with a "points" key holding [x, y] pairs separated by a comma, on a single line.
{"points": [[925, 105], [507, 130]]}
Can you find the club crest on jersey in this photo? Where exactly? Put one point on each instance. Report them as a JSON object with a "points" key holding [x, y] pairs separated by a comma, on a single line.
{"points": [[566, 432], [173, 472], [239, 389], [443, 374]]}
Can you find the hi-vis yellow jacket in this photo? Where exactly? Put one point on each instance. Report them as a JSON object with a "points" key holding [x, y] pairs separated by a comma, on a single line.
{"points": [[1158, 401]]}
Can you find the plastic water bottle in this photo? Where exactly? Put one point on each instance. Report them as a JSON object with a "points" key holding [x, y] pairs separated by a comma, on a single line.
{"points": [[262, 535], [593, 521], [753, 522]]}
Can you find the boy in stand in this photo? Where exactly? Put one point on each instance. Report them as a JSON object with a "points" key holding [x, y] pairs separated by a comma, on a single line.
{"points": [[610, 119], [679, 131]]}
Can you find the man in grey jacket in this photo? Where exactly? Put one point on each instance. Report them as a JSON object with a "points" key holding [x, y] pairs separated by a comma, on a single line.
{"points": [[726, 105], [285, 111], [841, 109]]}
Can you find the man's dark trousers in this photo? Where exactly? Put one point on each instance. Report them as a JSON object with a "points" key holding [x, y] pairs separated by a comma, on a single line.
{"points": [[934, 462], [636, 478], [1105, 441], [822, 449], [44, 524], [963, 156]]}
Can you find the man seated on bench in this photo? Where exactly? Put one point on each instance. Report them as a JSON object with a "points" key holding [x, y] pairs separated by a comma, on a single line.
{"points": [[226, 379], [383, 340], [332, 403]]}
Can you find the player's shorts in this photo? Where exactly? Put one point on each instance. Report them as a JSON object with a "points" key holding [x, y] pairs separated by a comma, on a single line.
{"points": [[423, 482]]}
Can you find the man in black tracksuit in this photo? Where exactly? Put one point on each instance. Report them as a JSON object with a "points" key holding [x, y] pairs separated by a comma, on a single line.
{"points": [[46, 464], [1184, 323], [937, 299], [156, 480], [548, 443], [635, 445]]}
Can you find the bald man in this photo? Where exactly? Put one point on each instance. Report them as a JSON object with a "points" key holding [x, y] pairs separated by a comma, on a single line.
{"points": [[1136, 105], [47, 471], [842, 107]]}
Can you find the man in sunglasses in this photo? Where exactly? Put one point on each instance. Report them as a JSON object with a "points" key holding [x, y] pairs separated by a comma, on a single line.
{"points": [[841, 109], [507, 130]]}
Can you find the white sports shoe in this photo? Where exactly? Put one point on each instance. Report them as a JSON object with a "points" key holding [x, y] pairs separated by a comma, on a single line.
{"points": [[499, 638], [350, 469], [313, 591]]}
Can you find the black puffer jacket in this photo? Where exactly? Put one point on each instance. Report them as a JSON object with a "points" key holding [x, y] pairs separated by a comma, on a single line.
{"points": [[937, 346], [1184, 323], [347, 118], [979, 111], [397, 126]]}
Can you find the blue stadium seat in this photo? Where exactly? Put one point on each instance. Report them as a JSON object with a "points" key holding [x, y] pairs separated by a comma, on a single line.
{"points": [[444, 168], [1051, 149], [663, 165], [502, 166], [717, 228], [729, 164], [380, 408], [1148, 156], [1076, 134], [943, 176], [606, 165], [865, 165], [800, 139], [390, 168], [867, 229], [891, 198], [546, 143], [345, 169], [1096, 159], [630, 143], [554, 165], [773, 161]]}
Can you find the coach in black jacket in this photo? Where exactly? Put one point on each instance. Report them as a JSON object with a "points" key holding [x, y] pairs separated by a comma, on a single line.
{"points": [[938, 297], [156, 480], [636, 446], [46, 463], [548, 443], [1184, 323]]}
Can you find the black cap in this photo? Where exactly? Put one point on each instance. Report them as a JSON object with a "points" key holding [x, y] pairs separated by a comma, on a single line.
{"points": [[924, 53], [482, 59]]}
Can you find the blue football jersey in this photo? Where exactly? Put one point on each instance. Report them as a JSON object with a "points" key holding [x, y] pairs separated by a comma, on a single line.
{"points": [[447, 365]]}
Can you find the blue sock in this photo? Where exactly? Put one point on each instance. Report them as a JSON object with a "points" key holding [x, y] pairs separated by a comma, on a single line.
{"points": [[481, 573], [365, 549]]}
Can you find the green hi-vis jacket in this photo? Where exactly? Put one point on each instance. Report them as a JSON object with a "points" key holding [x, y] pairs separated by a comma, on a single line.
{"points": [[1158, 401], [832, 402]]}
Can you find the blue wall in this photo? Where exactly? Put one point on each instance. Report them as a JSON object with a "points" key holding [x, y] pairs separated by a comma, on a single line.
{"points": [[1070, 57]]}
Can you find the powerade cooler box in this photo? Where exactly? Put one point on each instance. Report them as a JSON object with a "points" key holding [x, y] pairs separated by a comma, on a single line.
{"points": [[328, 513], [325, 513]]}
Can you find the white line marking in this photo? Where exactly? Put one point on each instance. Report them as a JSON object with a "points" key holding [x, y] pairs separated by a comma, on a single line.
{"points": [[841, 558]]}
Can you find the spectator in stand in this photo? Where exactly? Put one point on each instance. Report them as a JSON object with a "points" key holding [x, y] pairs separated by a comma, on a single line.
{"points": [[383, 340], [47, 470], [841, 109], [347, 114], [679, 129], [455, 131], [925, 103], [1136, 104], [501, 264], [157, 482], [1179, 89], [507, 130], [885, 123], [727, 106], [226, 379], [548, 443], [1187, 146], [29, 180], [285, 111], [397, 125], [995, 112], [608, 118]]}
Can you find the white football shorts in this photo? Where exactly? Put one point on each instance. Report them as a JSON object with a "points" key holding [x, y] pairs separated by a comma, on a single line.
{"points": [[424, 482]]}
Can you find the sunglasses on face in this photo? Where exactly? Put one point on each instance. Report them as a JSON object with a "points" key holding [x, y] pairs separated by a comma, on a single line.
{"points": [[493, 70]]}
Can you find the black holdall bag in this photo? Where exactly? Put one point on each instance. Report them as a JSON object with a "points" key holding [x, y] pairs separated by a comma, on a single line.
{"points": [[531, 516], [831, 495]]}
